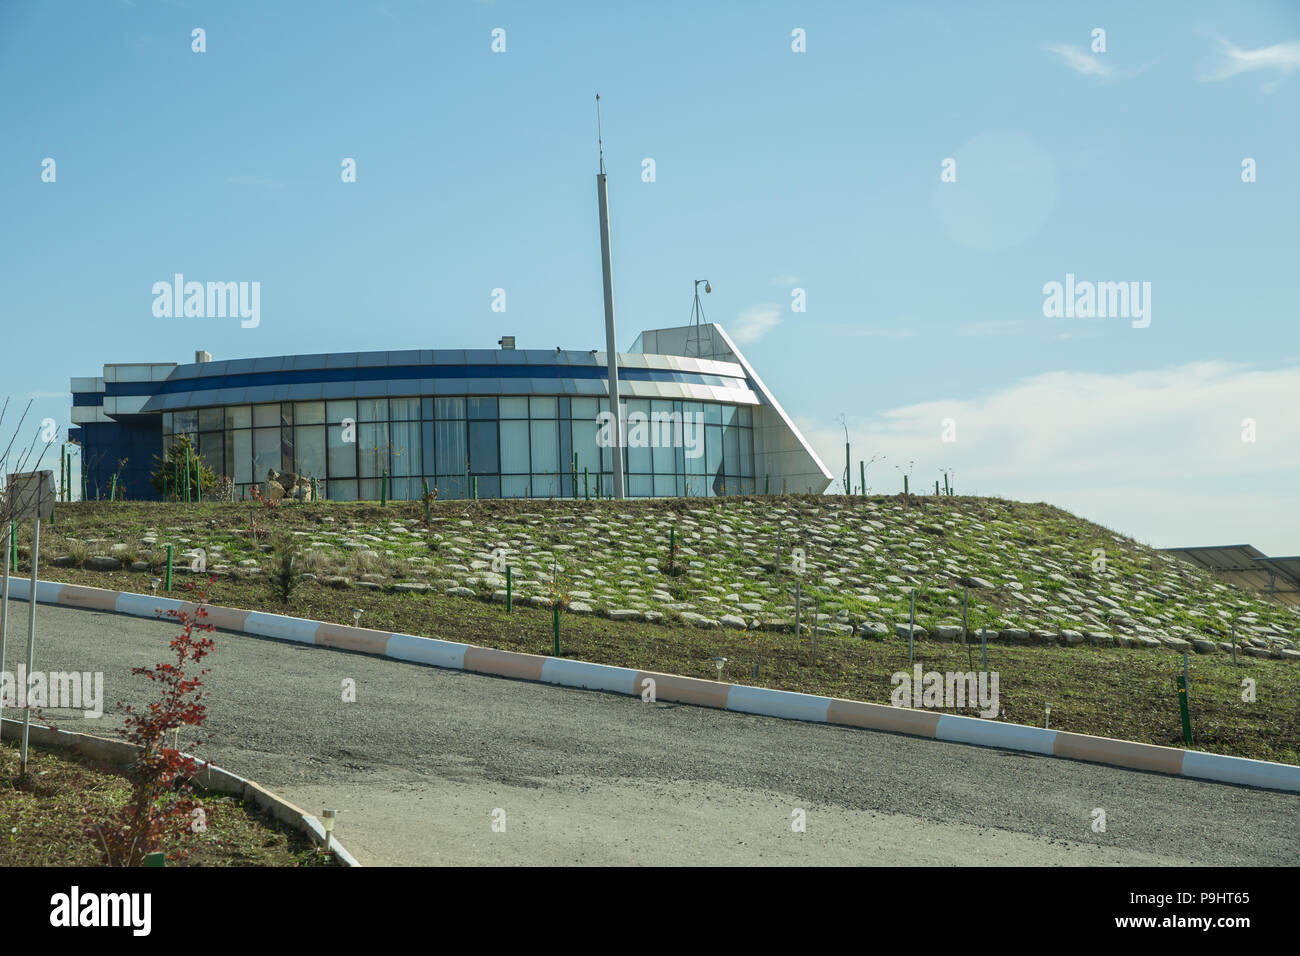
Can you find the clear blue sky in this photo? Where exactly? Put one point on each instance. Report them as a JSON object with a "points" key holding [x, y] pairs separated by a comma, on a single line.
{"points": [[775, 170]]}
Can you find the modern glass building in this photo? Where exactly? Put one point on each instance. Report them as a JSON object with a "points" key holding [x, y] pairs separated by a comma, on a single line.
{"points": [[507, 423]]}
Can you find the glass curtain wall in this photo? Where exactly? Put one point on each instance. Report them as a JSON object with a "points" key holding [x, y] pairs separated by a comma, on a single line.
{"points": [[510, 446]]}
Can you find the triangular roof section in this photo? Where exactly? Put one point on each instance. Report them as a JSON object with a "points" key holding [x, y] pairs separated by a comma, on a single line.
{"points": [[709, 340]]}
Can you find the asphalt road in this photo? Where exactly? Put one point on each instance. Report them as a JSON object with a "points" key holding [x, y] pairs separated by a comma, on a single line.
{"points": [[425, 761]]}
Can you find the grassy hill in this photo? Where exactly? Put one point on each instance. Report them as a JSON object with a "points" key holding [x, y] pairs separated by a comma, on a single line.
{"points": [[1098, 640]]}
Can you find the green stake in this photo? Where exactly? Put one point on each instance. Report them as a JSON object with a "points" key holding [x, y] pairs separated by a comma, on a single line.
{"points": [[187, 474], [767, 484], [168, 585], [509, 603], [863, 466], [555, 617], [474, 483], [383, 490], [586, 484], [911, 626], [425, 483], [1182, 706]]}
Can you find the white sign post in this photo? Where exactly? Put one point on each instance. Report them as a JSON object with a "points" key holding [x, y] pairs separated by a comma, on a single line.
{"points": [[31, 494], [4, 610]]}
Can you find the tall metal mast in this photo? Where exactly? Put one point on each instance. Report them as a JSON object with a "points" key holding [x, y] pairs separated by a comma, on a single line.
{"points": [[611, 342]]}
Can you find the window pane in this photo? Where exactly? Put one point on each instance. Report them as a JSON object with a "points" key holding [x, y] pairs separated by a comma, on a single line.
{"points": [[450, 438], [286, 447], [451, 487], [731, 453], [746, 417], [489, 486], [372, 451], [266, 452], [368, 489], [309, 413], [746, 452], [211, 419], [639, 486], [426, 447], [186, 421], [584, 444], [167, 423], [450, 407], [514, 449], [514, 408], [638, 459], [243, 463], [730, 415], [713, 413], [309, 449], [405, 451], [545, 447], [483, 448], [342, 458], [212, 449], [266, 415], [665, 486], [239, 416], [514, 487], [372, 410], [286, 413], [482, 408], [584, 408], [713, 449], [341, 490], [546, 486], [542, 407], [339, 410], [403, 409]]}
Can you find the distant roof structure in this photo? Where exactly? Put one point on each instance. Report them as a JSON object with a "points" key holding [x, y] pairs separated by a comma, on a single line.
{"points": [[1249, 568]]}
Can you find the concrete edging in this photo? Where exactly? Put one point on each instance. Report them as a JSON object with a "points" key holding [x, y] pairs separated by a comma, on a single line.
{"points": [[120, 754], [789, 705]]}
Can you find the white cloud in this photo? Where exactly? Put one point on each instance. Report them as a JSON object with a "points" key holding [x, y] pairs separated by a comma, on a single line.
{"points": [[1081, 61], [1231, 60], [754, 323], [1155, 454]]}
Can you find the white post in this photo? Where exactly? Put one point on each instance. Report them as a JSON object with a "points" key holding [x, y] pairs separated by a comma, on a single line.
{"points": [[4, 612], [31, 625]]}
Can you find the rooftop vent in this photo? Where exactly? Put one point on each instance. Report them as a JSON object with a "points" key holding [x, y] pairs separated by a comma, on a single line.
{"points": [[201, 357], [506, 342]]}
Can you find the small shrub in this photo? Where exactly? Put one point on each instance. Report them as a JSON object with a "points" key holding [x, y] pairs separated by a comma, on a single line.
{"points": [[78, 552], [284, 573]]}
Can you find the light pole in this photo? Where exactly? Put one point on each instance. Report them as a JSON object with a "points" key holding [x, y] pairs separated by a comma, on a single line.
{"points": [[611, 345], [695, 337], [848, 488]]}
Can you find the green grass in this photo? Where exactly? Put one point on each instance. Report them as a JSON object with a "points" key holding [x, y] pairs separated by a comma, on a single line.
{"points": [[1110, 691], [42, 819]]}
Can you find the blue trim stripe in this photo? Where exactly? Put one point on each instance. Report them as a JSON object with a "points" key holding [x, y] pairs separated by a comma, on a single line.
{"points": [[318, 376]]}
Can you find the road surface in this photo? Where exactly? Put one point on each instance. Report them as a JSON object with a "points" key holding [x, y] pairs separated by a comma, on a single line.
{"points": [[430, 766]]}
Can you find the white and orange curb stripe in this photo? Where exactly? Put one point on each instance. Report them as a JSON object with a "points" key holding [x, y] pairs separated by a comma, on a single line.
{"points": [[741, 698]]}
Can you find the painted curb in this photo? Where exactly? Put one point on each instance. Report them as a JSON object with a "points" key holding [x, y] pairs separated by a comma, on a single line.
{"points": [[119, 753], [740, 698]]}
